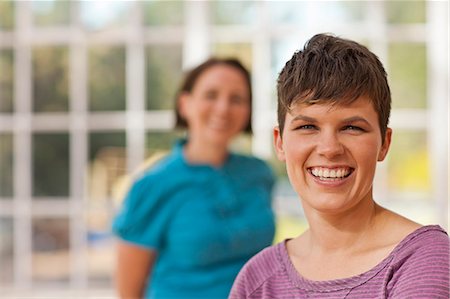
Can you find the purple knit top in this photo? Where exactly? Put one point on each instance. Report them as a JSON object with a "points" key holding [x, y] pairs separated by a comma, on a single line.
{"points": [[418, 267]]}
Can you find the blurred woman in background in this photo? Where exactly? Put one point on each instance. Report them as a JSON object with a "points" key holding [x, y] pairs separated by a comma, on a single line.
{"points": [[190, 222]]}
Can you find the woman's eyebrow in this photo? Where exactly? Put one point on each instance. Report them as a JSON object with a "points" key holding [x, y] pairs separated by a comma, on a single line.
{"points": [[355, 119], [304, 118]]}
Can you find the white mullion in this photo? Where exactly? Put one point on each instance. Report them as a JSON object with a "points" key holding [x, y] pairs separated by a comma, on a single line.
{"points": [[78, 163], [22, 178], [261, 77], [438, 97], [376, 24], [196, 42], [78, 151], [135, 97]]}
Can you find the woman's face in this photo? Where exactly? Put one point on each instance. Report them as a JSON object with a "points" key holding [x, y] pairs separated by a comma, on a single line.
{"points": [[218, 107], [331, 153]]}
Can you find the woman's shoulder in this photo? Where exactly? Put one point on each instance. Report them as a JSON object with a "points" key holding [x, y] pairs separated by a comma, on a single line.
{"points": [[261, 267], [425, 242]]}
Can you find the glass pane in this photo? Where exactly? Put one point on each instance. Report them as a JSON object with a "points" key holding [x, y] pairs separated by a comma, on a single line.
{"points": [[407, 75], [107, 170], [51, 12], [241, 51], [402, 11], [50, 164], [50, 79], [233, 12], [281, 50], [160, 141], [159, 12], [296, 12], [107, 78], [164, 75], [107, 156], [409, 163], [51, 245], [6, 15], [6, 251], [101, 249], [6, 165], [6, 80], [102, 15]]}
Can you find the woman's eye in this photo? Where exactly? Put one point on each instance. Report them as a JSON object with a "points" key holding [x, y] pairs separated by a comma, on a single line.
{"points": [[306, 127], [237, 100], [353, 128], [210, 95]]}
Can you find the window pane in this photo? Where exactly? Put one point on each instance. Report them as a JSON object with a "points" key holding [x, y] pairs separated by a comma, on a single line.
{"points": [[241, 51], [102, 15], [51, 244], [50, 79], [163, 75], [6, 15], [406, 11], [107, 78], [281, 50], [50, 164], [233, 12], [158, 12], [107, 156], [51, 12], [6, 81], [160, 141], [296, 12], [409, 163], [101, 249], [6, 165], [6, 251], [407, 75]]}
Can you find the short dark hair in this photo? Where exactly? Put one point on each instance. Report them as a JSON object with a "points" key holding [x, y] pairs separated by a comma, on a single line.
{"points": [[191, 79], [333, 70]]}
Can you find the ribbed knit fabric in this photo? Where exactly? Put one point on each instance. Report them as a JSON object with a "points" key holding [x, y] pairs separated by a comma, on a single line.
{"points": [[418, 267]]}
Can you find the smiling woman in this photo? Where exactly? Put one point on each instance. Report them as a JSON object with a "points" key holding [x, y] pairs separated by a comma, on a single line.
{"points": [[186, 223], [337, 149], [333, 111]]}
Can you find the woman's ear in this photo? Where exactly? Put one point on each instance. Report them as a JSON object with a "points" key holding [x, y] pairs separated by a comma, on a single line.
{"points": [[278, 142], [183, 104], [386, 144]]}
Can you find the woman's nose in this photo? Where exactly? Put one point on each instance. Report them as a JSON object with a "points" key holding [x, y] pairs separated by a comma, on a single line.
{"points": [[329, 145], [222, 105]]}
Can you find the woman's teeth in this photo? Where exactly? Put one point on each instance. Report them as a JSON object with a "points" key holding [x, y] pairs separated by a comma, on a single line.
{"points": [[330, 174]]}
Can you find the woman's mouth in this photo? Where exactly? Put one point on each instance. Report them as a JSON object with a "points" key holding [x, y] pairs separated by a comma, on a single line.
{"points": [[330, 174]]}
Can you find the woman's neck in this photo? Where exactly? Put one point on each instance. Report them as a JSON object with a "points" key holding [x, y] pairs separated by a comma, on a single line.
{"points": [[199, 152], [345, 232]]}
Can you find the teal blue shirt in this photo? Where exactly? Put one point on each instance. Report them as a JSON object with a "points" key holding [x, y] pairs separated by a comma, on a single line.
{"points": [[204, 222]]}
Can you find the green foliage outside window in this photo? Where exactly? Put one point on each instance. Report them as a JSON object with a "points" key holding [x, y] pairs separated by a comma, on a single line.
{"points": [[107, 90], [51, 12], [407, 75], [163, 75], [409, 162], [6, 162], [7, 9], [157, 12], [50, 164], [401, 11], [6, 80], [50, 79]]}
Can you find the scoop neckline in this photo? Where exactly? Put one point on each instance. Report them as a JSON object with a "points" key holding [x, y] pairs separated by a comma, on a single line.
{"points": [[343, 283]]}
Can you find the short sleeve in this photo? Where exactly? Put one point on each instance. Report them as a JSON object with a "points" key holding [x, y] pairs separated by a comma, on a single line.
{"points": [[144, 214]]}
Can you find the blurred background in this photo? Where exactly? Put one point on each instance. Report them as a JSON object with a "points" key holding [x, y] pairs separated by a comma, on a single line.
{"points": [[86, 95]]}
